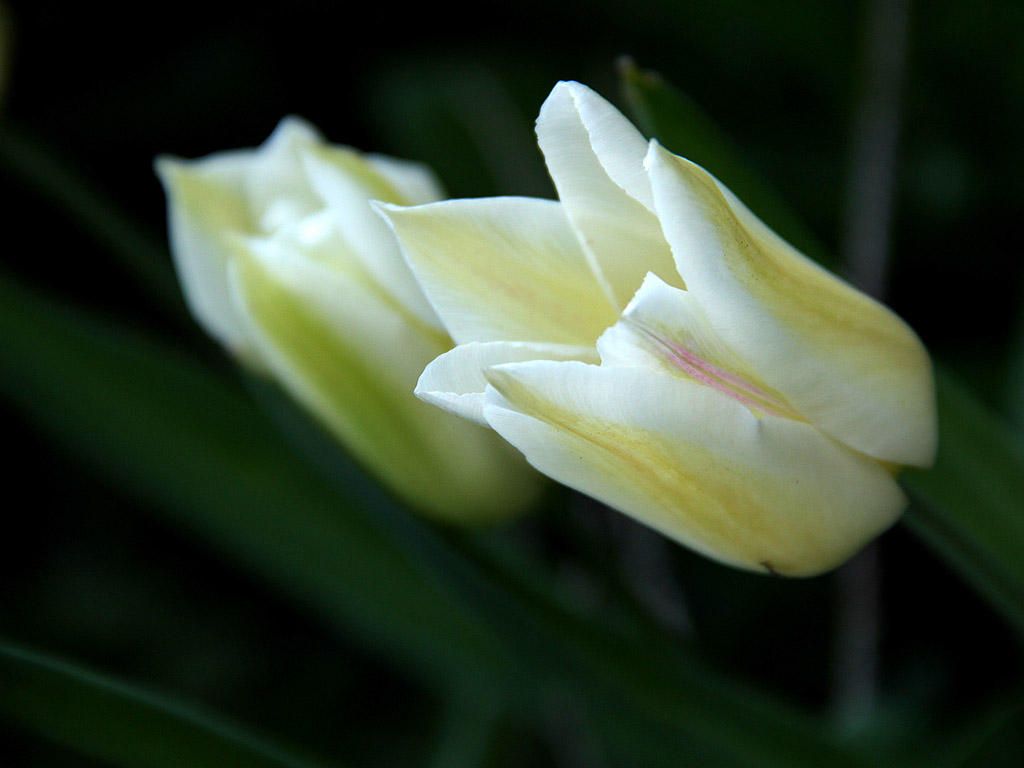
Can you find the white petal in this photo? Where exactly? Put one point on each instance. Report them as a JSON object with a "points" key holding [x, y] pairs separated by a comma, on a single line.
{"points": [[763, 494], [503, 268], [346, 182], [617, 144], [276, 187], [455, 381], [846, 362], [595, 157], [205, 201], [665, 329]]}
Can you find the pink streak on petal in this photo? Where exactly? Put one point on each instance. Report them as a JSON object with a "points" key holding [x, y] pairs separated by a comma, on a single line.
{"points": [[719, 379]]}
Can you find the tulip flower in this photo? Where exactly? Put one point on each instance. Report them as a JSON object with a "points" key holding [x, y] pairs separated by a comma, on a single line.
{"points": [[283, 261], [649, 342]]}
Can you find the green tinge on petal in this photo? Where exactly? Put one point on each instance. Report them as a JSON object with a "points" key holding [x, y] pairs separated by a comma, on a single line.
{"points": [[352, 362], [595, 158], [769, 494], [414, 183], [846, 362], [503, 268], [456, 380], [356, 169]]}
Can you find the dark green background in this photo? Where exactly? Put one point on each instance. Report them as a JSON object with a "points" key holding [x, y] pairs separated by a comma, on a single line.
{"points": [[87, 571]]}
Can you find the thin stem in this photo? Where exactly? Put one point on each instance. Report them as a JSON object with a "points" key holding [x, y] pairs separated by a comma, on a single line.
{"points": [[858, 629], [866, 246], [646, 558], [868, 215]]}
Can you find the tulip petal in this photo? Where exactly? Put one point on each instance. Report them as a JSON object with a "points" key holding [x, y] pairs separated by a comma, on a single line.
{"points": [[275, 185], [320, 334], [851, 366], [414, 183], [229, 192], [595, 158], [763, 494], [665, 329], [205, 202], [503, 268], [455, 381], [346, 181]]}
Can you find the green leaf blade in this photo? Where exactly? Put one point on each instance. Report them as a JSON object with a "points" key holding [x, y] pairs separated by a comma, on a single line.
{"points": [[125, 725], [972, 500], [197, 451]]}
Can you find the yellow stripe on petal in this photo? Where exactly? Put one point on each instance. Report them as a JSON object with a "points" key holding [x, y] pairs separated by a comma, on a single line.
{"points": [[768, 494], [846, 362], [503, 268]]}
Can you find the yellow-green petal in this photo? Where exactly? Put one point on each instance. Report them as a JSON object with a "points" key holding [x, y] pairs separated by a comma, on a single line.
{"points": [[851, 366], [342, 352], [503, 268], [764, 494]]}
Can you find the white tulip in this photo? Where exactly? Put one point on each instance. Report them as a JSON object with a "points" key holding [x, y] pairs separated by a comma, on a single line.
{"points": [[650, 342]]}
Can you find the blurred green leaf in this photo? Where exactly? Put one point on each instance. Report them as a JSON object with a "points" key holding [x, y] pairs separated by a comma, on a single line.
{"points": [[469, 126], [974, 496], [195, 449], [125, 725], [1013, 394], [948, 745], [466, 730], [1001, 744], [972, 500]]}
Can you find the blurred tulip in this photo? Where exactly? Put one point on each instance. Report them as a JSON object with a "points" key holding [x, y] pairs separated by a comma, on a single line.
{"points": [[283, 261], [650, 342]]}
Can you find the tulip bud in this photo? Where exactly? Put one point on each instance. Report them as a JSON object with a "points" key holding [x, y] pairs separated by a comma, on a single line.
{"points": [[650, 342], [283, 261]]}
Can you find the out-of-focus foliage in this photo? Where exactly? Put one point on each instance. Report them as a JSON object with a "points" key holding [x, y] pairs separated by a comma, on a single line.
{"points": [[173, 530]]}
